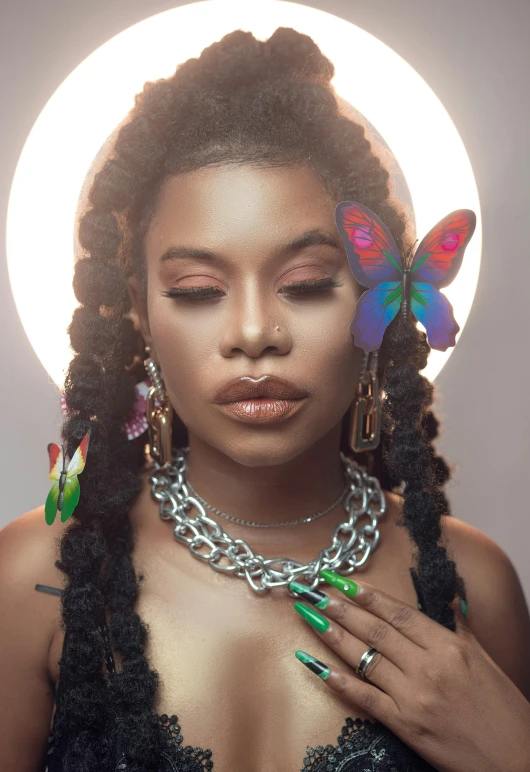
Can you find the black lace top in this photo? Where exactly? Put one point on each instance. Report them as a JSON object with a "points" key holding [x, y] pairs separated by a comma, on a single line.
{"points": [[362, 746]]}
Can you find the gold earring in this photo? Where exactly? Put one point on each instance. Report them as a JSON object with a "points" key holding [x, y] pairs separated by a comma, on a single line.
{"points": [[365, 422], [159, 412]]}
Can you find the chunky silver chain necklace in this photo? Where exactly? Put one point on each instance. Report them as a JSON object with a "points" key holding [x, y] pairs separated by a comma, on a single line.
{"points": [[351, 544]]}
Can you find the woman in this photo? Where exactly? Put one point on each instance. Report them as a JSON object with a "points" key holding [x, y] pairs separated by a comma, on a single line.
{"points": [[210, 248]]}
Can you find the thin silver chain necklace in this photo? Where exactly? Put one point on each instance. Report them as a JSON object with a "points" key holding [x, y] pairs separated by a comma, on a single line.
{"points": [[351, 545], [266, 525]]}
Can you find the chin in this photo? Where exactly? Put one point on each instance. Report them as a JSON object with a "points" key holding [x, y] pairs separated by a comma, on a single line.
{"points": [[256, 448], [272, 444]]}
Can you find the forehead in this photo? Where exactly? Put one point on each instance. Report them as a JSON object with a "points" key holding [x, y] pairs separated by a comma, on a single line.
{"points": [[231, 202]]}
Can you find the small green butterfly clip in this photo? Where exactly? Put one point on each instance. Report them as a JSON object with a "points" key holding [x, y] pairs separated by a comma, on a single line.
{"points": [[64, 494]]}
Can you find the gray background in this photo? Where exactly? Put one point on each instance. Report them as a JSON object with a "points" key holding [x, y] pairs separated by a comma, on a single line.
{"points": [[475, 55]]}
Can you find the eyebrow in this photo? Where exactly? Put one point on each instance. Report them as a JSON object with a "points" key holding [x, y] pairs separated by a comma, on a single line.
{"points": [[308, 239]]}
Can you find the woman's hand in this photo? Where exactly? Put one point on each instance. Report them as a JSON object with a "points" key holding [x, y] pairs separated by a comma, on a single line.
{"points": [[437, 690]]}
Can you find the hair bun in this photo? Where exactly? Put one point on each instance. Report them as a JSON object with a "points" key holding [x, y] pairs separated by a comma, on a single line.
{"points": [[240, 59], [294, 54]]}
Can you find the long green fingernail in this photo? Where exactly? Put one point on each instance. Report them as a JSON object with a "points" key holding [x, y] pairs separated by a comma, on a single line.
{"points": [[315, 597], [315, 665], [342, 583], [315, 619], [463, 606]]}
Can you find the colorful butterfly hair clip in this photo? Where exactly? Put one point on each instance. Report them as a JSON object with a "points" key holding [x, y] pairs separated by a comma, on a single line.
{"points": [[406, 283], [64, 494]]}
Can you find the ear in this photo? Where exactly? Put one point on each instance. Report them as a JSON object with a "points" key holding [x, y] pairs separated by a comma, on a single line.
{"points": [[138, 295]]}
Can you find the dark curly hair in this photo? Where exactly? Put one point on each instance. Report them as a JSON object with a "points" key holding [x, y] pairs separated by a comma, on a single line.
{"points": [[241, 101]]}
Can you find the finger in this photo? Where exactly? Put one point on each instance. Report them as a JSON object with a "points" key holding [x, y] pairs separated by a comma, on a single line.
{"points": [[352, 689], [381, 672], [367, 628], [412, 623]]}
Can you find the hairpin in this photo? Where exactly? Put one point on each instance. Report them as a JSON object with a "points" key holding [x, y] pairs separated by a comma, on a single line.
{"points": [[64, 493], [406, 283], [136, 422]]}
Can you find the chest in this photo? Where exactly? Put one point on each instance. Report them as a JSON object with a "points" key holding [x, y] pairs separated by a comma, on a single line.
{"points": [[225, 656]]}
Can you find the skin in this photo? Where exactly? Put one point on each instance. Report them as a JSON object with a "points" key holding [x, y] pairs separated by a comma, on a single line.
{"points": [[226, 656]]}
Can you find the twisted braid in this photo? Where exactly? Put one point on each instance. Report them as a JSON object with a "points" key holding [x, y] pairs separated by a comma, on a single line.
{"points": [[241, 101], [408, 453]]}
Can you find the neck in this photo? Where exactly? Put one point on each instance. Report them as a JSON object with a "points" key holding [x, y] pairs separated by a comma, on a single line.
{"points": [[288, 490]]}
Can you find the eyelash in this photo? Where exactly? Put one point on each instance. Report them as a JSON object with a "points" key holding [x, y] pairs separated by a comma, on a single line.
{"points": [[296, 288]]}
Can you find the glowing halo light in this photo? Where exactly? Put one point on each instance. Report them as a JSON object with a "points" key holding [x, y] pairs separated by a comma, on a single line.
{"points": [[95, 97]]}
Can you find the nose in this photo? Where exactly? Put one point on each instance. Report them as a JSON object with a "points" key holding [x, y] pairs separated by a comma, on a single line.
{"points": [[255, 326]]}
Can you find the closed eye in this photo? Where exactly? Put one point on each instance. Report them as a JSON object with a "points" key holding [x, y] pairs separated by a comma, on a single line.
{"points": [[294, 288], [313, 285], [193, 293]]}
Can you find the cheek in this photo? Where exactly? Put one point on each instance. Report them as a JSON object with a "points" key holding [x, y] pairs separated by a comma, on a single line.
{"points": [[339, 373], [324, 340], [326, 354], [184, 342]]}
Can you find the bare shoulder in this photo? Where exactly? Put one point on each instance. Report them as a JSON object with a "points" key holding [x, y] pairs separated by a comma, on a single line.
{"points": [[31, 546], [497, 608], [28, 551], [29, 619]]}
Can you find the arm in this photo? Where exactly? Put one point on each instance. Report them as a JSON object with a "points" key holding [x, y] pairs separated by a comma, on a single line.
{"points": [[27, 625]]}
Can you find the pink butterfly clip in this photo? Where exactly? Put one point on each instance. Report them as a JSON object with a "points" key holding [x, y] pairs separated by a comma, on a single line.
{"points": [[376, 263]]}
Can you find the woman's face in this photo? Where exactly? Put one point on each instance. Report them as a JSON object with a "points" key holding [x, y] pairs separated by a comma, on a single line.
{"points": [[277, 300]]}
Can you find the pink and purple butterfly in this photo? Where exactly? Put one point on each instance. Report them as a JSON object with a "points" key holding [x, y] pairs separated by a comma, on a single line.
{"points": [[375, 262]]}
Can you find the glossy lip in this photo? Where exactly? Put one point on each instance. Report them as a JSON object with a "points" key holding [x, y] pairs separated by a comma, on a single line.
{"points": [[247, 388], [262, 410]]}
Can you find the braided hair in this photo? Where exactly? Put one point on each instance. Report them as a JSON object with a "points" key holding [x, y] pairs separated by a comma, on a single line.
{"points": [[241, 101]]}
